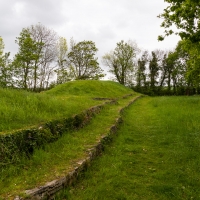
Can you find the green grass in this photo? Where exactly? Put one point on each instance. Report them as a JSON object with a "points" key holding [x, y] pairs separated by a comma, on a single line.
{"points": [[21, 109], [91, 88], [59, 157], [155, 155]]}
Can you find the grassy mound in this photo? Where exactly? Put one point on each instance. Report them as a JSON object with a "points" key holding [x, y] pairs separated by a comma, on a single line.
{"points": [[91, 88], [22, 109], [58, 158]]}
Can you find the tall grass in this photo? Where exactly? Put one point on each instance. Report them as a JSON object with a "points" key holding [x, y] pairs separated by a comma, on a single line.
{"points": [[57, 158], [91, 88], [20, 109], [155, 155]]}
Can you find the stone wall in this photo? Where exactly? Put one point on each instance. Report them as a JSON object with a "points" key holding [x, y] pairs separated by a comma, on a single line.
{"points": [[49, 189]]}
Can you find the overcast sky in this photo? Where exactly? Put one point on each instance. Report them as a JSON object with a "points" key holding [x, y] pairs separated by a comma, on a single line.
{"points": [[105, 22]]}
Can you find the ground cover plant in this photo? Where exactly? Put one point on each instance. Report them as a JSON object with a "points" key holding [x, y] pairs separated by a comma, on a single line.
{"points": [[154, 156], [21, 109], [57, 158]]}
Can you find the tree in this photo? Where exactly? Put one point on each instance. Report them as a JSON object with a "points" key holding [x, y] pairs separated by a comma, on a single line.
{"points": [[82, 62], [36, 56], [163, 69], [141, 68], [1, 46], [169, 69], [121, 61], [173, 70], [45, 65], [25, 59], [180, 65], [153, 70], [6, 70], [62, 51], [62, 69], [1, 50], [184, 14], [189, 53]]}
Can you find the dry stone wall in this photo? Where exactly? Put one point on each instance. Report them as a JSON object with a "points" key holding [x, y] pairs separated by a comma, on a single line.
{"points": [[49, 189], [22, 143]]}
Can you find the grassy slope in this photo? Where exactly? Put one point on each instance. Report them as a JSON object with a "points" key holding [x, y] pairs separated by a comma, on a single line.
{"points": [[91, 88], [155, 156], [20, 109], [71, 147]]}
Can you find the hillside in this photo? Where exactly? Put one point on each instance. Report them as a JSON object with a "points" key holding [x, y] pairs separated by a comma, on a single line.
{"points": [[21, 109], [49, 150], [91, 88]]}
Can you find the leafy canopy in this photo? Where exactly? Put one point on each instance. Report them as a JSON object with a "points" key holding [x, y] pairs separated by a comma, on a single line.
{"points": [[1, 46], [185, 15], [82, 60], [121, 61]]}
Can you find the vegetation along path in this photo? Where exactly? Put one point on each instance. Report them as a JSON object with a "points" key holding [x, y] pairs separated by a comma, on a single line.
{"points": [[60, 157], [155, 155]]}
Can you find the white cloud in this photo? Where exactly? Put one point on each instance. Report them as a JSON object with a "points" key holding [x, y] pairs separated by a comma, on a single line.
{"points": [[105, 22], [18, 8]]}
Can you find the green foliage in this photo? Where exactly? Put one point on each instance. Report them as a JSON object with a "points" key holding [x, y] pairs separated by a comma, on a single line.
{"points": [[62, 73], [82, 62], [191, 52], [25, 59], [153, 69], [62, 51], [172, 67], [185, 64], [140, 70], [184, 14], [6, 69], [1, 46], [120, 61], [170, 73], [35, 61]]}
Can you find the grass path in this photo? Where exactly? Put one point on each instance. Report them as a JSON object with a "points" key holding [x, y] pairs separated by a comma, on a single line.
{"points": [[155, 155], [57, 159]]}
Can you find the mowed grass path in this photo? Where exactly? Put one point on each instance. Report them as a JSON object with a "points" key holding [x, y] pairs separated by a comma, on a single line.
{"points": [[60, 157], [156, 155]]}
